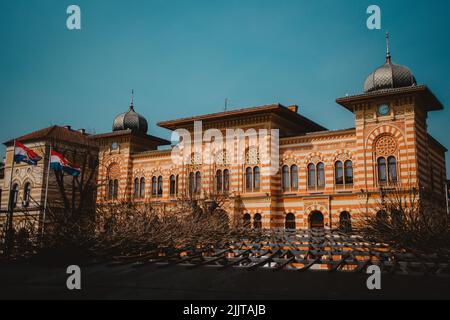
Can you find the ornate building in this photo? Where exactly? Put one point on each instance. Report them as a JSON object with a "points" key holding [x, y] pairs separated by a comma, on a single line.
{"points": [[28, 185], [325, 178]]}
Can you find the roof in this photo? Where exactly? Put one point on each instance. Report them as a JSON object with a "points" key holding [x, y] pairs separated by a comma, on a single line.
{"points": [[158, 140], [54, 132], [432, 139], [320, 133], [430, 101], [272, 108]]}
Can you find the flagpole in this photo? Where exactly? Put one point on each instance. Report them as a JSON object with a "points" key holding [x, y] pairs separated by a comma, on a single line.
{"points": [[46, 191], [9, 224]]}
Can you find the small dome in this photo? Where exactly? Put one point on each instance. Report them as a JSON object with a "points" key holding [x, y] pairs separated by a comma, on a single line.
{"points": [[389, 76], [130, 120]]}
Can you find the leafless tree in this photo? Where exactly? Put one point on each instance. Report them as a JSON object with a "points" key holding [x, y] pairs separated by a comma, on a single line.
{"points": [[405, 218]]}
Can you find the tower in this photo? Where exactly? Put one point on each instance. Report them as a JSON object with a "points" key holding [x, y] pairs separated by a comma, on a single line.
{"points": [[394, 149]]}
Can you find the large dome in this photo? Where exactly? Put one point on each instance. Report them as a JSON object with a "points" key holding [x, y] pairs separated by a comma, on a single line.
{"points": [[389, 75], [130, 120]]}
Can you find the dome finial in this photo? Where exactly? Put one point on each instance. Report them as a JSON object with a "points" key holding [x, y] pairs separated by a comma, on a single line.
{"points": [[132, 99], [388, 50]]}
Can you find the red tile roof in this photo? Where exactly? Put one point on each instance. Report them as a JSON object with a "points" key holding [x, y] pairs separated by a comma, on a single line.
{"points": [[57, 133]]}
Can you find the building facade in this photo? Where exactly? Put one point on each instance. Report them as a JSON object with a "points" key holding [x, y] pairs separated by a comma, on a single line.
{"points": [[323, 178], [25, 185]]}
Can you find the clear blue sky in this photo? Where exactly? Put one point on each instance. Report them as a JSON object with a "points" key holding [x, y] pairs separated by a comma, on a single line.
{"points": [[185, 57]]}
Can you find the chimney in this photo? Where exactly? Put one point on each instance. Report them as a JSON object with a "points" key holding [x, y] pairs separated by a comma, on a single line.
{"points": [[293, 108], [68, 127], [82, 131]]}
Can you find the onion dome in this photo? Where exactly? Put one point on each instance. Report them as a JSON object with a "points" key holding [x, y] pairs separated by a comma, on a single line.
{"points": [[389, 75], [130, 120]]}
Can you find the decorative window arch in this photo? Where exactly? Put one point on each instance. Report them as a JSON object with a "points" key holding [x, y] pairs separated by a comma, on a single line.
{"points": [[316, 175], [290, 221], [249, 179], [348, 172], [154, 186], [338, 173], [191, 183], [386, 153], [294, 177], [115, 189], [252, 156], [247, 220], [160, 186], [110, 189], [320, 167], [311, 175], [285, 177], [173, 185], [392, 169], [219, 182], [289, 177], [226, 180], [343, 173], [142, 188], [15, 194], [198, 182], [257, 221], [113, 170], [256, 178], [345, 221], [136, 188], [27, 194]]}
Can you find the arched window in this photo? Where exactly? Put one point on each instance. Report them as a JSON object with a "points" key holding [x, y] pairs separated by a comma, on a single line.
{"points": [[198, 182], [338, 173], [320, 175], [294, 177], [249, 179], [257, 221], [14, 195], [136, 187], [172, 183], [381, 164], [316, 220], [160, 186], [256, 179], [142, 188], [345, 223], [311, 175], [381, 216], [27, 194], [176, 184], [226, 180], [191, 183], [154, 186], [348, 172], [110, 189], [219, 180], [290, 221], [392, 169], [285, 177], [247, 218], [116, 189]]}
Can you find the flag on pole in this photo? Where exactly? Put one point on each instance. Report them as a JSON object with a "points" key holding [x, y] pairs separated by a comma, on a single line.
{"points": [[59, 162], [24, 154]]}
